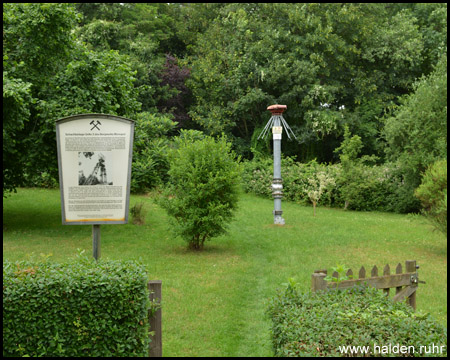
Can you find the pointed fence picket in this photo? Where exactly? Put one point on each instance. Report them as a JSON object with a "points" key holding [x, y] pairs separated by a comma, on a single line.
{"points": [[405, 283]]}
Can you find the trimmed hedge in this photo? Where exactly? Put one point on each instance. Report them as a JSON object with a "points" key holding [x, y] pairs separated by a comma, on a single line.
{"points": [[316, 324], [76, 309]]}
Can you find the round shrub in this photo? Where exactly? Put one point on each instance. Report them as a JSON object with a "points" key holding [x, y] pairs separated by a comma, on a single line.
{"points": [[202, 191]]}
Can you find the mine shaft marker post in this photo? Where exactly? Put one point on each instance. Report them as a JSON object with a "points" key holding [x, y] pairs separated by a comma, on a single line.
{"points": [[277, 123], [97, 199]]}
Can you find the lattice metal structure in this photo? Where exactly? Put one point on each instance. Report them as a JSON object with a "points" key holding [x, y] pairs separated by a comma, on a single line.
{"points": [[98, 175], [277, 123]]}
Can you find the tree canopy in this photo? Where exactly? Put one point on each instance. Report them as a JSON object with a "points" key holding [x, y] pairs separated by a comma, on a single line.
{"points": [[376, 68]]}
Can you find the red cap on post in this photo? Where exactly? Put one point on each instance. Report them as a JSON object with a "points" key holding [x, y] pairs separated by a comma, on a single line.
{"points": [[277, 109]]}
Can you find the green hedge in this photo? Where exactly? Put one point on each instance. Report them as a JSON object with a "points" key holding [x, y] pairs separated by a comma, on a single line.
{"points": [[316, 324], [374, 188], [80, 308]]}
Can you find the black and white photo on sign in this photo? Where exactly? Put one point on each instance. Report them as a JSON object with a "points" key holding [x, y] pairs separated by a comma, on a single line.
{"points": [[94, 168]]}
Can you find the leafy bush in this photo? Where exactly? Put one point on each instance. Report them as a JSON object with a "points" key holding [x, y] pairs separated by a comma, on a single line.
{"points": [[433, 194], [42, 179], [316, 324], [150, 162], [202, 192], [296, 179], [81, 308], [317, 185], [257, 177], [138, 213], [400, 197], [258, 173], [370, 188], [356, 181], [17, 101], [416, 131]]}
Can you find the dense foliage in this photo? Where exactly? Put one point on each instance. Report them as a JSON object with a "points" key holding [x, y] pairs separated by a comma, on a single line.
{"points": [[76, 309], [202, 194], [432, 192], [369, 188], [416, 132], [317, 324], [150, 153], [50, 75], [376, 69], [331, 64]]}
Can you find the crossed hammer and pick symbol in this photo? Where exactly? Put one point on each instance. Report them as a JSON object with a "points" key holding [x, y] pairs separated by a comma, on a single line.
{"points": [[95, 125]]}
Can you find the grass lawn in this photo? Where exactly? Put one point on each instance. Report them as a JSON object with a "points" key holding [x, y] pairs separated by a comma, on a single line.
{"points": [[214, 301]]}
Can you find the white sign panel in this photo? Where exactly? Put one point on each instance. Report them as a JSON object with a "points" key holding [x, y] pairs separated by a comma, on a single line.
{"points": [[276, 136], [94, 159]]}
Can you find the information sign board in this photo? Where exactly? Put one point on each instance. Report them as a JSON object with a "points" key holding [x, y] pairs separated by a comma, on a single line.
{"points": [[94, 160]]}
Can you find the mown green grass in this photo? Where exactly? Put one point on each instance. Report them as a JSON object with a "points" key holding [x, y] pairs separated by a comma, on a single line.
{"points": [[214, 301]]}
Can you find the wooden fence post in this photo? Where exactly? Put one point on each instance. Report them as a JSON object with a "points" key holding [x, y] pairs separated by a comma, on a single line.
{"points": [[318, 282], [398, 270], [411, 268], [155, 321], [387, 271]]}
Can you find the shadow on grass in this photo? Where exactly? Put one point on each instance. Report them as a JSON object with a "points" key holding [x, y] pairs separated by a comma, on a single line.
{"points": [[22, 220], [274, 226], [208, 250]]}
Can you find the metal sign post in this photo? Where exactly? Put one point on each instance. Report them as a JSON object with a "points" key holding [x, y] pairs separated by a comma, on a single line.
{"points": [[277, 123], [96, 241], [94, 161]]}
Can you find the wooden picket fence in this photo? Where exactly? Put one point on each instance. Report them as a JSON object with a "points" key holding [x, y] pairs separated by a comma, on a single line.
{"points": [[405, 283]]}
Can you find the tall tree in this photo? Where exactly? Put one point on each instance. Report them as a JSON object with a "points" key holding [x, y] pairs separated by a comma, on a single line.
{"points": [[174, 76], [331, 64], [416, 131], [146, 32], [36, 45], [49, 75]]}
